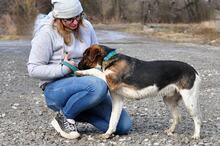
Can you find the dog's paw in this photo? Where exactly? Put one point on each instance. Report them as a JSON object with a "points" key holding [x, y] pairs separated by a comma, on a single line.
{"points": [[105, 136], [195, 137], [79, 73]]}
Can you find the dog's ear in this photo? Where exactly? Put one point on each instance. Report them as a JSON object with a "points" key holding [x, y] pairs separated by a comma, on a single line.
{"points": [[107, 49], [94, 54]]}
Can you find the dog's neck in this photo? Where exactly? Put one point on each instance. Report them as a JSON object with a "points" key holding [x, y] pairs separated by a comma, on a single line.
{"points": [[109, 63], [110, 55], [109, 60]]}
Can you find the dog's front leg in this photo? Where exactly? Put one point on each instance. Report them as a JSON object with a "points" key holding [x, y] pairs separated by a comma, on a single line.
{"points": [[92, 72], [117, 105]]}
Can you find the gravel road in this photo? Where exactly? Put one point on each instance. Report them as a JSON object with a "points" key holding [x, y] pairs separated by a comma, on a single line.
{"points": [[24, 119]]}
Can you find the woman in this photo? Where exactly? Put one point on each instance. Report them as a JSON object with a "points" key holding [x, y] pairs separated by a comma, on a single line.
{"points": [[58, 44]]}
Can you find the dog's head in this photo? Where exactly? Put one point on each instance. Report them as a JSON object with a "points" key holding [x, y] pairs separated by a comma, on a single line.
{"points": [[93, 56]]}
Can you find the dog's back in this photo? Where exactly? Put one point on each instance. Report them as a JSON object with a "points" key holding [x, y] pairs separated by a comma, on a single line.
{"points": [[145, 73]]}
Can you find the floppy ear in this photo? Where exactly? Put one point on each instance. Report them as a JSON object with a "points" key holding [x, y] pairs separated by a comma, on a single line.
{"points": [[94, 54], [107, 49]]}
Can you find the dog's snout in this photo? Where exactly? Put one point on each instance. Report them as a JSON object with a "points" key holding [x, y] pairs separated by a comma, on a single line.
{"points": [[80, 65]]}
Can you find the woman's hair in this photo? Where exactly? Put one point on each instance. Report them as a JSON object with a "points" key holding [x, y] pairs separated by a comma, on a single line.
{"points": [[65, 32]]}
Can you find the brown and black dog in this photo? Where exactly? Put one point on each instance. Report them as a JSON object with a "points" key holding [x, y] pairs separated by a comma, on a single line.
{"points": [[133, 78]]}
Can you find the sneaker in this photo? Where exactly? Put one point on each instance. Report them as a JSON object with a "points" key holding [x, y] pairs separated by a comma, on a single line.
{"points": [[66, 129]]}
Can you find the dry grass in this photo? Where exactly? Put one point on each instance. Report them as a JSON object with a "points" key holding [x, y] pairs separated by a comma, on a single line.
{"points": [[207, 30], [204, 33], [20, 19], [8, 24], [14, 37]]}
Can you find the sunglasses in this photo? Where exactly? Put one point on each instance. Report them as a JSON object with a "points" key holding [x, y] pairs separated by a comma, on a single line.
{"points": [[70, 20]]}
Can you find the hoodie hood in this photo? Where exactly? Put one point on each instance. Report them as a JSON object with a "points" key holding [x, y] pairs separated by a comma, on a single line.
{"points": [[41, 20]]}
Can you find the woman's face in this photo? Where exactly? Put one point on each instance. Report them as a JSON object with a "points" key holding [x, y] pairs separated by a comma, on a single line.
{"points": [[72, 23]]}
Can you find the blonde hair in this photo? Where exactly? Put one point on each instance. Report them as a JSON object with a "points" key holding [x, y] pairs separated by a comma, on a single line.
{"points": [[65, 32]]}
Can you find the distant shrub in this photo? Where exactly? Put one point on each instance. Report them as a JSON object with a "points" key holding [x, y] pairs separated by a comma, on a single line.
{"points": [[23, 13]]}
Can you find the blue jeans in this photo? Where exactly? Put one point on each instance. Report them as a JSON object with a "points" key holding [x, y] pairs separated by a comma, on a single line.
{"points": [[84, 99]]}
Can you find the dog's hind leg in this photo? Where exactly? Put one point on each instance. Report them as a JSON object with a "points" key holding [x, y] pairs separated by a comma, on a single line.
{"points": [[172, 103], [190, 99]]}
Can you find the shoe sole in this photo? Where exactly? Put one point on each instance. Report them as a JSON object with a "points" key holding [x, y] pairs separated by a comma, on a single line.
{"points": [[71, 135]]}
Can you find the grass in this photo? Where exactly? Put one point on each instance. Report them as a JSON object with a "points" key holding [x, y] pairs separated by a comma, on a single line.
{"points": [[14, 37], [203, 33]]}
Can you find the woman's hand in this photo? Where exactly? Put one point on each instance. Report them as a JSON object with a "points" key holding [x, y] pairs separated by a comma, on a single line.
{"points": [[66, 59]]}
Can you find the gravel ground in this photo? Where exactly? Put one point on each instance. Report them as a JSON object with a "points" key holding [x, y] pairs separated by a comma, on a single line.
{"points": [[24, 119]]}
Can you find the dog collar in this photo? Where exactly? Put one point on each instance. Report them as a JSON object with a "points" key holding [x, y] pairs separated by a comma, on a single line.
{"points": [[110, 55]]}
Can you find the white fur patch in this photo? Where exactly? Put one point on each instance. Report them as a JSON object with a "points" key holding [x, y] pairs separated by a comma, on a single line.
{"points": [[92, 72], [150, 91], [98, 67], [190, 97], [191, 101], [95, 72]]}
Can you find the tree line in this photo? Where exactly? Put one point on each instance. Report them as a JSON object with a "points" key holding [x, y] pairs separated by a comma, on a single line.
{"points": [[17, 16]]}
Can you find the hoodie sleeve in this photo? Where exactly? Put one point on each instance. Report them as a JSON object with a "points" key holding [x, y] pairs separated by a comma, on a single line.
{"points": [[39, 65]]}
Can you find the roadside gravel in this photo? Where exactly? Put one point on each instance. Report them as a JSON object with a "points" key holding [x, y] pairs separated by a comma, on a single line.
{"points": [[24, 119]]}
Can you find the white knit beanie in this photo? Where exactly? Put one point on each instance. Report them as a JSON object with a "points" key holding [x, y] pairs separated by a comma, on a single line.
{"points": [[66, 8]]}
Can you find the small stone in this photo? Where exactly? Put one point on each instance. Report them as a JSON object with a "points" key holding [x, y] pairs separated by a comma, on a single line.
{"points": [[103, 144], [113, 143], [40, 113], [67, 141], [2, 115], [90, 137], [122, 139], [16, 104], [186, 140], [156, 143], [14, 107]]}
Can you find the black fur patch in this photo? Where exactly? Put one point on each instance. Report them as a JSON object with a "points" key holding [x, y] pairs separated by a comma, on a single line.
{"points": [[161, 73]]}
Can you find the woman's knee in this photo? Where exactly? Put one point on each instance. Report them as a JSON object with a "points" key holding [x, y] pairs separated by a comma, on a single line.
{"points": [[53, 102], [97, 87]]}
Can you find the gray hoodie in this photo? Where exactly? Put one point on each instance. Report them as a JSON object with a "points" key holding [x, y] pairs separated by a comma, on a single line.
{"points": [[48, 47]]}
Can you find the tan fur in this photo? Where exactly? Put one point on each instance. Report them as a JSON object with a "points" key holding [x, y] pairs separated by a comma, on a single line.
{"points": [[113, 78]]}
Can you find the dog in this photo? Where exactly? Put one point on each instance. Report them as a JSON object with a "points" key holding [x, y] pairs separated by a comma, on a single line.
{"points": [[133, 78]]}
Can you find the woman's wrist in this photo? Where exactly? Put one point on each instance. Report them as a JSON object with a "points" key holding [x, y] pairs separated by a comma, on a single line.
{"points": [[70, 65], [65, 70]]}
